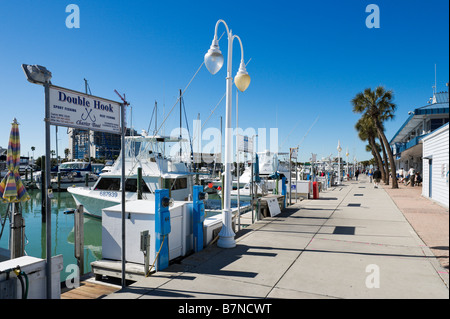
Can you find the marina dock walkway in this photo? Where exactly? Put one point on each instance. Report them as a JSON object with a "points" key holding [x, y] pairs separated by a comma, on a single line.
{"points": [[353, 242]]}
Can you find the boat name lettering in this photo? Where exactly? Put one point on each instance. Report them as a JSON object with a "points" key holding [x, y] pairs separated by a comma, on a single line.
{"points": [[108, 194]]}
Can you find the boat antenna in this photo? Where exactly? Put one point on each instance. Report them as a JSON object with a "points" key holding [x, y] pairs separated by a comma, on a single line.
{"points": [[181, 122], [87, 87], [151, 120]]}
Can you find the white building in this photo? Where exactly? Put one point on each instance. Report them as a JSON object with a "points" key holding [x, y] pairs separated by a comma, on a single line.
{"points": [[436, 166]]}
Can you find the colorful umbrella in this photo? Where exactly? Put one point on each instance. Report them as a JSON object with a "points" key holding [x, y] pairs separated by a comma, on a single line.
{"points": [[11, 187]]}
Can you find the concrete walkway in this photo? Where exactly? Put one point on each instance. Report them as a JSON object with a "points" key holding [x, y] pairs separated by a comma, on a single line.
{"points": [[353, 242], [429, 219]]}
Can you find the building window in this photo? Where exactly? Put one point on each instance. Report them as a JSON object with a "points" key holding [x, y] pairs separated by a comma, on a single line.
{"points": [[436, 123], [428, 126]]}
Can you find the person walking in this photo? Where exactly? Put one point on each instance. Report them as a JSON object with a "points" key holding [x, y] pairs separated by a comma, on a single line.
{"points": [[418, 179], [370, 174], [376, 177], [412, 176], [357, 174], [401, 174]]}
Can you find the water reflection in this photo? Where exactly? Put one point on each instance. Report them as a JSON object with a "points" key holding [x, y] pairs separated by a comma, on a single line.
{"points": [[62, 230]]}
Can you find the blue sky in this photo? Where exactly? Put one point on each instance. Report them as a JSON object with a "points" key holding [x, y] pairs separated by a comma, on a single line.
{"points": [[308, 60]]}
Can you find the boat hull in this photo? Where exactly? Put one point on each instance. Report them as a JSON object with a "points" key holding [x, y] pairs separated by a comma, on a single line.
{"points": [[93, 202]]}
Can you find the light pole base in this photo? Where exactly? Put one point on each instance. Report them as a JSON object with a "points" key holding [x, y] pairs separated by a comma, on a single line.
{"points": [[226, 242], [226, 236]]}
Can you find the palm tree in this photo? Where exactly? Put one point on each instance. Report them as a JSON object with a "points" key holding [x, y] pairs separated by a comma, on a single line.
{"points": [[33, 149], [367, 132], [385, 160], [378, 105]]}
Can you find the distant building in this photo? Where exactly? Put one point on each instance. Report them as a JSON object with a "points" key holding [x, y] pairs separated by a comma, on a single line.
{"points": [[84, 144], [24, 162], [407, 144]]}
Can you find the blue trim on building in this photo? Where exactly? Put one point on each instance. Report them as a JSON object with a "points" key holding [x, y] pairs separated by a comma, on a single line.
{"points": [[424, 110], [402, 127]]}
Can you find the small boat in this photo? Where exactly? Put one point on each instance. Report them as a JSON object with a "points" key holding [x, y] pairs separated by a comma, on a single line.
{"points": [[71, 174], [73, 179]]}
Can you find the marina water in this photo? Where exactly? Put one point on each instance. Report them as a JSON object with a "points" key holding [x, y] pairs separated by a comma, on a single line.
{"points": [[62, 231]]}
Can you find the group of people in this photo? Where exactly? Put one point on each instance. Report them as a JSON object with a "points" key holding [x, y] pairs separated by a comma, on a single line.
{"points": [[410, 177], [374, 176]]}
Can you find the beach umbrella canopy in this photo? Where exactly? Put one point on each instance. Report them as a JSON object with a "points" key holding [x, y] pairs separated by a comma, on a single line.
{"points": [[11, 187]]}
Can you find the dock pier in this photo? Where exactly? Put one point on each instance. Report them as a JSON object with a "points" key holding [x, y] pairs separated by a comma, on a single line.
{"points": [[316, 248]]}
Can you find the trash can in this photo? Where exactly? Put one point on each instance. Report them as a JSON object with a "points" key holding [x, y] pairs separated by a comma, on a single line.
{"points": [[315, 190]]}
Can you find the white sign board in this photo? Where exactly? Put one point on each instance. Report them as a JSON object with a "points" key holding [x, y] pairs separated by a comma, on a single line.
{"points": [[78, 110], [245, 144], [274, 208]]}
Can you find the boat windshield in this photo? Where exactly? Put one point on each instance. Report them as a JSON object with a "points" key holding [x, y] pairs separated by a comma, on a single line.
{"points": [[113, 184], [151, 147]]}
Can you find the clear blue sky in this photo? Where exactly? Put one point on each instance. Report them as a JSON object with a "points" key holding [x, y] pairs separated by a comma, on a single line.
{"points": [[308, 59]]}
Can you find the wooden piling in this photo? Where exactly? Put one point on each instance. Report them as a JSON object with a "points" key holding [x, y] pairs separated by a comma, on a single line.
{"points": [[79, 237], [17, 232], [43, 189]]}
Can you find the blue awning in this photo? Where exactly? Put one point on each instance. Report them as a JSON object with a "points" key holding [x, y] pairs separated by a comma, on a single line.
{"points": [[416, 117]]}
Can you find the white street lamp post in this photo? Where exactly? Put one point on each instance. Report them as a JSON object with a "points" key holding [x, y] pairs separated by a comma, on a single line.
{"points": [[37, 74], [214, 62], [339, 149], [347, 154]]}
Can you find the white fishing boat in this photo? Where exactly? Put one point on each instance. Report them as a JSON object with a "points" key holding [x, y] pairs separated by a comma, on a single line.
{"points": [[71, 174], [260, 189], [72, 179], [158, 171], [269, 165]]}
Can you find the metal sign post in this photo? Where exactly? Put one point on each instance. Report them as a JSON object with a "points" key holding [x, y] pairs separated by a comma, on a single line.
{"points": [[292, 155], [245, 145], [123, 195], [123, 105], [64, 107], [48, 193]]}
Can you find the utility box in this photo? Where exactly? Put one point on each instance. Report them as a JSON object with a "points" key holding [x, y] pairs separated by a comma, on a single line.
{"points": [[139, 217], [301, 188], [34, 268]]}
